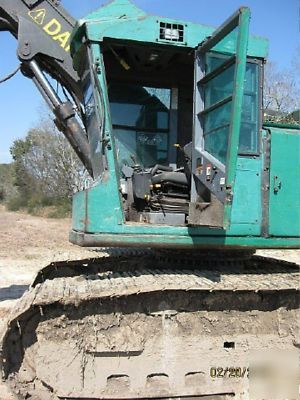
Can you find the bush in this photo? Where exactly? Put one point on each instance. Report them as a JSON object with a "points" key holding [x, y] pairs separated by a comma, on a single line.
{"points": [[38, 201], [16, 203], [40, 205], [62, 209]]}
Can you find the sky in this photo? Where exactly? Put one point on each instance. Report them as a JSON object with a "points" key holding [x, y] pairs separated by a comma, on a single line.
{"points": [[21, 105]]}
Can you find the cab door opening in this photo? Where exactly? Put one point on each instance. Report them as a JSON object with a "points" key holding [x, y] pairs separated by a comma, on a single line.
{"points": [[176, 125], [150, 91]]}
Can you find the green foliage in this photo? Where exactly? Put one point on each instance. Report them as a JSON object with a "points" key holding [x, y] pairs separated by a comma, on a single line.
{"points": [[45, 173], [16, 203], [7, 188], [49, 207], [21, 177], [38, 201], [62, 209], [41, 206]]}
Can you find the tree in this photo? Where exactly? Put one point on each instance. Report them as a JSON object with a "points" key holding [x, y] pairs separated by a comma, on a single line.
{"points": [[23, 180], [296, 69], [7, 188], [46, 166], [281, 90]]}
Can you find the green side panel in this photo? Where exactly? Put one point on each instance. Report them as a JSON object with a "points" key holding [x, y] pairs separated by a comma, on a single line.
{"points": [[79, 211], [121, 19], [284, 209], [106, 197], [98, 209], [247, 202]]}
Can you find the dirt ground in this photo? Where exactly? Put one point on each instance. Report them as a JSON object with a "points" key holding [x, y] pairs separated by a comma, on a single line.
{"points": [[28, 243]]}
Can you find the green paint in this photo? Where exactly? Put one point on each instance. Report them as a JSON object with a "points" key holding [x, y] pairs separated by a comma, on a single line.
{"points": [[169, 241], [237, 104], [284, 208], [247, 204], [121, 19]]}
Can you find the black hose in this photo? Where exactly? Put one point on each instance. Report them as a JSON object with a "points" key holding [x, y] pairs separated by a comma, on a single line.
{"points": [[11, 75], [159, 167]]}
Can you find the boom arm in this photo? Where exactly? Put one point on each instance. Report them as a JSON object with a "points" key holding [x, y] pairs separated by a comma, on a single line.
{"points": [[43, 30]]}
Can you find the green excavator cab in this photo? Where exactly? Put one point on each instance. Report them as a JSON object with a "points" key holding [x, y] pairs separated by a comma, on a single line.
{"points": [[173, 114]]}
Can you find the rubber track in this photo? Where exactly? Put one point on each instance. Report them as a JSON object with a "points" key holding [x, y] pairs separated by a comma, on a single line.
{"points": [[138, 260], [127, 276], [74, 290]]}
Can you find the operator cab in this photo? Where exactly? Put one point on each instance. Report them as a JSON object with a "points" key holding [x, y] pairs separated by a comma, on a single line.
{"points": [[174, 117], [151, 97]]}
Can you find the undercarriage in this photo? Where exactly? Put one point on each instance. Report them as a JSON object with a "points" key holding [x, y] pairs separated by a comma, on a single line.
{"points": [[153, 325]]}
